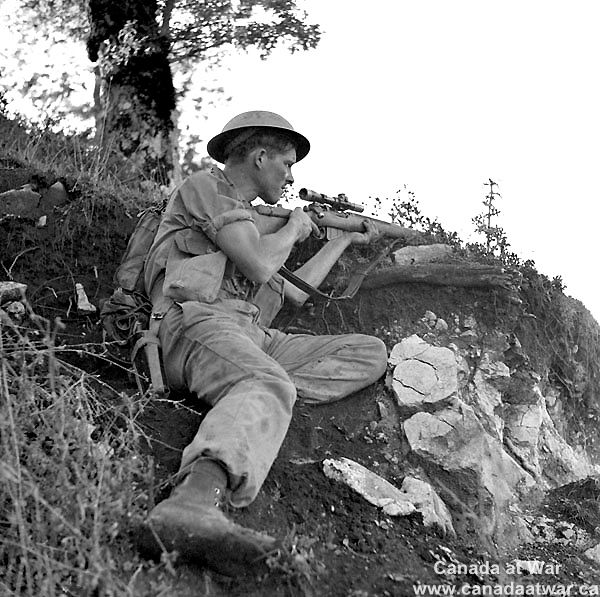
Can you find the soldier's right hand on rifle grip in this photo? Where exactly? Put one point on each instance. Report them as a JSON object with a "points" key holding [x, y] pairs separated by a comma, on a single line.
{"points": [[303, 223]]}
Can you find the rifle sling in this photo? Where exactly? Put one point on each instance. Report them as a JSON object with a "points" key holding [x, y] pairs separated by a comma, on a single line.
{"points": [[353, 284]]}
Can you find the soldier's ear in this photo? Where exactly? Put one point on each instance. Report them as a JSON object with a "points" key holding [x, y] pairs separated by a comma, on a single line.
{"points": [[259, 157]]}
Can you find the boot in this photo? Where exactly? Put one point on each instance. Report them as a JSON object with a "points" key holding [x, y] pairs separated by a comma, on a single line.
{"points": [[192, 523]]}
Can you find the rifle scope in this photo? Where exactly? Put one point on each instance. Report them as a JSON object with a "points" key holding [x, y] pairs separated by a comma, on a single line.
{"points": [[339, 202]]}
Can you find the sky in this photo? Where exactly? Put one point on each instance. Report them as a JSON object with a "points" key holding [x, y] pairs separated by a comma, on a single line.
{"points": [[437, 97]]}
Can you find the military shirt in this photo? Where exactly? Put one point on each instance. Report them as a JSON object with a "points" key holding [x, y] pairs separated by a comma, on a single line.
{"points": [[185, 262]]}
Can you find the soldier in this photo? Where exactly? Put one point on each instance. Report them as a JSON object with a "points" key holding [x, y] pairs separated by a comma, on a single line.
{"points": [[212, 271]]}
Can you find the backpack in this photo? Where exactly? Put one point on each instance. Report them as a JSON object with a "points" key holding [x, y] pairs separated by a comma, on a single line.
{"points": [[126, 314]]}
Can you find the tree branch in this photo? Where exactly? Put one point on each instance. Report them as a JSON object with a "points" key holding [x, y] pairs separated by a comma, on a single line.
{"points": [[451, 274], [166, 18]]}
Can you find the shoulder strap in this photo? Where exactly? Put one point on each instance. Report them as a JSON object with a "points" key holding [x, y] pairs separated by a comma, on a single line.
{"points": [[353, 284]]}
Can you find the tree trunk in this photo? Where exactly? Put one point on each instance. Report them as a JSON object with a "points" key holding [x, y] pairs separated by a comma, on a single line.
{"points": [[138, 97]]}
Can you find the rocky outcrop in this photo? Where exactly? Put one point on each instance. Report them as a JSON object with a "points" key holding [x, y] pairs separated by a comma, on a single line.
{"points": [[479, 430]]}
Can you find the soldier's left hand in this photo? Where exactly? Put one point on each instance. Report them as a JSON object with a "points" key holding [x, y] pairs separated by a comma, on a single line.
{"points": [[370, 234]]}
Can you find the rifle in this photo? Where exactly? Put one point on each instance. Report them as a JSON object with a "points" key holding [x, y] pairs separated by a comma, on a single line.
{"points": [[330, 214]]}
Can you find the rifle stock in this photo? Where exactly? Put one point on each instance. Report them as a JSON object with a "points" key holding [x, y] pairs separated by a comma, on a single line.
{"points": [[274, 217]]}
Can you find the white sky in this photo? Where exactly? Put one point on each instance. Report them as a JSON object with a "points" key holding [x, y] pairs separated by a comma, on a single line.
{"points": [[441, 95]]}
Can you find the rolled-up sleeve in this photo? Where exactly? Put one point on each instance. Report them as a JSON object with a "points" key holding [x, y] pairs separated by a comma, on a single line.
{"points": [[229, 217], [210, 210]]}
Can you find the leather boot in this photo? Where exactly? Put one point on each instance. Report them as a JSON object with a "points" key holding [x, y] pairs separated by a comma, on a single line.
{"points": [[192, 523]]}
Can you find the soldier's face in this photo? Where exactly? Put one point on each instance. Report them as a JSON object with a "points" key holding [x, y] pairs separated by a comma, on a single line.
{"points": [[276, 174]]}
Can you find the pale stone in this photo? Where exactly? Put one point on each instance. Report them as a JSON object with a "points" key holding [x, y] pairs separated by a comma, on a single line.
{"points": [[470, 335], [593, 553], [408, 348], [12, 291], [489, 376], [375, 489], [429, 318], [423, 374], [441, 325], [422, 254], [559, 462], [16, 310], [83, 303], [522, 432], [455, 440], [428, 503]]}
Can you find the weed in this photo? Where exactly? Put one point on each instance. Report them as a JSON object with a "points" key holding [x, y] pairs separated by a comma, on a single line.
{"points": [[74, 158], [295, 561], [73, 477]]}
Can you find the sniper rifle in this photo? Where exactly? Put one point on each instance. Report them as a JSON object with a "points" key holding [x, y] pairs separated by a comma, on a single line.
{"points": [[331, 215]]}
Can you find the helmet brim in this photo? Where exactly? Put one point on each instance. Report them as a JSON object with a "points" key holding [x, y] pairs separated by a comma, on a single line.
{"points": [[216, 146]]}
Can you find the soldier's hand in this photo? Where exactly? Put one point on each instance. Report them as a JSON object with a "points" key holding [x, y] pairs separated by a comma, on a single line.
{"points": [[303, 224], [370, 234]]}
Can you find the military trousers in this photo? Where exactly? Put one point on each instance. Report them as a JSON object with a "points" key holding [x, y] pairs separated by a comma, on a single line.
{"points": [[251, 376]]}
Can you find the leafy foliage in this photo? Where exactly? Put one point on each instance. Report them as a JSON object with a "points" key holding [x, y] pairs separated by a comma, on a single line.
{"points": [[189, 31], [496, 243], [196, 28], [407, 212], [45, 75]]}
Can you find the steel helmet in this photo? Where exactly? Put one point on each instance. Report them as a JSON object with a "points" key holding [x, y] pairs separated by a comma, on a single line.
{"points": [[248, 120]]}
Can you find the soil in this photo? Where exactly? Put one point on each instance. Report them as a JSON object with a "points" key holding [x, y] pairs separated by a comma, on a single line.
{"points": [[343, 545]]}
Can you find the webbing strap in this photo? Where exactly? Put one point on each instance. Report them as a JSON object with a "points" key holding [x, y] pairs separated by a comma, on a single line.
{"points": [[353, 284], [150, 342]]}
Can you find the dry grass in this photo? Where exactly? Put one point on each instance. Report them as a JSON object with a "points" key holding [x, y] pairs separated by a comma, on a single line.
{"points": [[77, 160], [73, 477]]}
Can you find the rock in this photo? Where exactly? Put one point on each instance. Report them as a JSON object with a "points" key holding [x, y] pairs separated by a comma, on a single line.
{"points": [[469, 336], [522, 428], [455, 441], [55, 195], [428, 503], [408, 348], [559, 462], [23, 202], [551, 531], [490, 377], [593, 553], [26, 202], [423, 374], [429, 318], [83, 303], [11, 291], [15, 310], [422, 254], [375, 489], [440, 325], [470, 322]]}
